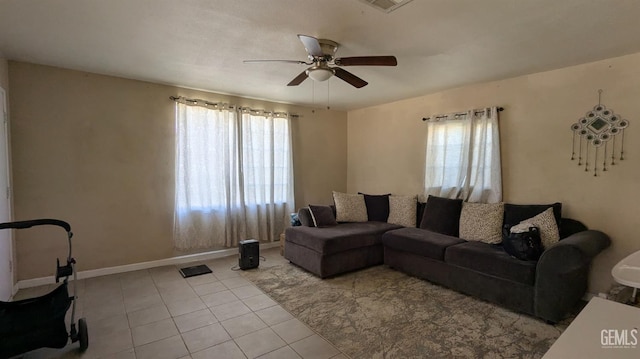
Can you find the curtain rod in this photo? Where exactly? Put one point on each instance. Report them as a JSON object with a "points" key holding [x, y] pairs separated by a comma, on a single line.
{"points": [[206, 103], [476, 112]]}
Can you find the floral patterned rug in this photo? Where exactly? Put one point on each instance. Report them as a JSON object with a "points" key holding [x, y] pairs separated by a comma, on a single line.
{"points": [[382, 313]]}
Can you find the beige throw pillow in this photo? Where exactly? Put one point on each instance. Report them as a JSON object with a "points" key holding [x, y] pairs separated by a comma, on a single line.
{"points": [[350, 207], [402, 210], [547, 226], [482, 222]]}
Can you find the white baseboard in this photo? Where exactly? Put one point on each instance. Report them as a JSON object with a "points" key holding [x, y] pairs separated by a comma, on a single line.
{"points": [[28, 283]]}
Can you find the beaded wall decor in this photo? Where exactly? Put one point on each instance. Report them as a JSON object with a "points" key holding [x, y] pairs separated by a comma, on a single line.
{"points": [[602, 130]]}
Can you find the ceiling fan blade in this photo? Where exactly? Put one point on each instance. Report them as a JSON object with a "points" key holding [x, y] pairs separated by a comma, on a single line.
{"points": [[311, 44], [288, 61], [298, 80], [352, 79], [367, 61]]}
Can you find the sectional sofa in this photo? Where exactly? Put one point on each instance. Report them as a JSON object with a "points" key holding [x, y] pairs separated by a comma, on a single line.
{"points": [[433, 250]]}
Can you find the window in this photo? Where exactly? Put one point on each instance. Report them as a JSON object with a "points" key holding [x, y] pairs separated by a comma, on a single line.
{"points": [[205, 158], [234, 176], [266, 154], [225, 159], [463, 157]]}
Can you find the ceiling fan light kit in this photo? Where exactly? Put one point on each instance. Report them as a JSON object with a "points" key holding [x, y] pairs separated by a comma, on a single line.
{"points": [[321, 54], [319, 73]]}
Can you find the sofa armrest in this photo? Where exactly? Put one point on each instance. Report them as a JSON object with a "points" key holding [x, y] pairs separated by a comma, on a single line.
{"points": [[562, 273], [589, 242]]}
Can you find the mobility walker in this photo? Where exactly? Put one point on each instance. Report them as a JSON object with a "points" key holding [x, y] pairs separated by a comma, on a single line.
{"points": [[39, 322]]}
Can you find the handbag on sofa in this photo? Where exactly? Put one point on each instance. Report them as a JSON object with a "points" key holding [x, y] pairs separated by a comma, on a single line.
{"points": [[525, 246]]}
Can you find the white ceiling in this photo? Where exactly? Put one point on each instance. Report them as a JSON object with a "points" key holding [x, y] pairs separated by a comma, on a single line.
{"points": [[200, 44]]}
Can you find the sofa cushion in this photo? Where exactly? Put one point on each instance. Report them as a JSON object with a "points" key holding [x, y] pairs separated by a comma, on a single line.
{"points": [[516, 213], [420, 242], [322, 216], [492, 260], [442, 215], [339, 238], [350, 207], [481, 222], [377, 206], [402, 210]]}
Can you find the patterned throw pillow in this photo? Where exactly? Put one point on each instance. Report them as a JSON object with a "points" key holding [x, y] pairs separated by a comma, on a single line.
{"points": [[482, 222], [402, 210], [350, 207], [546, 223]]}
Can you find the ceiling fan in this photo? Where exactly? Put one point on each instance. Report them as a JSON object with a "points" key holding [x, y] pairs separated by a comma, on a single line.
{"points": [[324, 64]]}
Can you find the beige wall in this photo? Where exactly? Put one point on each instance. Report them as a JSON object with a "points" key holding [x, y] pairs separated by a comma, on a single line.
{"points": [[386, 146], [98, 151]]}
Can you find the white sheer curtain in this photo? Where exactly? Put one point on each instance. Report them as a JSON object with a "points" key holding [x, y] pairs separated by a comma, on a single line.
{"points": [[463, 156], [234, 177]]}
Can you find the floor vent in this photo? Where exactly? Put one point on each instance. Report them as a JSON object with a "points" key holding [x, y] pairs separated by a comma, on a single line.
{"points": [[194, 271]]}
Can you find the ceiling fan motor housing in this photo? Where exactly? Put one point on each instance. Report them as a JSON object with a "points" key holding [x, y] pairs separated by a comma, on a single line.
{"points": [[328, 47]]}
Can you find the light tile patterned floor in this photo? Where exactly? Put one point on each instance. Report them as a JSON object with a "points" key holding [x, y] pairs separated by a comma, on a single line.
{"points": [[157, 314]]}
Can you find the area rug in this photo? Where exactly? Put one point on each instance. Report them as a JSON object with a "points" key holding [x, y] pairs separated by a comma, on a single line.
{"points": [[382, 313]]}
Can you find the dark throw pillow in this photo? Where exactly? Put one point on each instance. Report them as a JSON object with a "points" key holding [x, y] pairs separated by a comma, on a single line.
{"points": [[420, 212], [322, 216], [442, 215], [516, 213], [377, 206], [304, 215]]}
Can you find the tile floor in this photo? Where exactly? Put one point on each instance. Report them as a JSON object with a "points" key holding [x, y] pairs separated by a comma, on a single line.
{"points": [[157, 314]]}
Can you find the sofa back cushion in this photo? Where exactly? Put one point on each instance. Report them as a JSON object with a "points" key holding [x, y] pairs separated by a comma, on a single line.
{"points": [[442, 215], [482, 222]]}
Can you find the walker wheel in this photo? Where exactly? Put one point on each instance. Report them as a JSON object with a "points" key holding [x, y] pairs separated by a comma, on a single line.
{"points": [[83, 334]]}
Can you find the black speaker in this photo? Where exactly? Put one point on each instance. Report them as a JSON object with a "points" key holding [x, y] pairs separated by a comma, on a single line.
{"points": [[248, 254]]}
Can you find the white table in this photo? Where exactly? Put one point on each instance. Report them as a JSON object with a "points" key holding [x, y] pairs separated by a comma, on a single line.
{"points": [[598, 331], [627, 272]]}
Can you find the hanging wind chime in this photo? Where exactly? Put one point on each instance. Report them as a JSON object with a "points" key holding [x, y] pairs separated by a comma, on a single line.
{"points": [[599, 128]]}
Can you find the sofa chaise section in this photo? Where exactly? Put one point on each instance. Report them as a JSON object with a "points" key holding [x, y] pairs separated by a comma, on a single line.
{"points": [[329, 251]]}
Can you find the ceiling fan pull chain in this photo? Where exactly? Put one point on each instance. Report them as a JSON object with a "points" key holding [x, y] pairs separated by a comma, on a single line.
{"points": [[313, 94], [328, 84]]}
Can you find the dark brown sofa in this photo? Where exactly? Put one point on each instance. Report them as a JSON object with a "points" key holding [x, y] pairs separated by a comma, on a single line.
{"points": [[547, 288]]}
